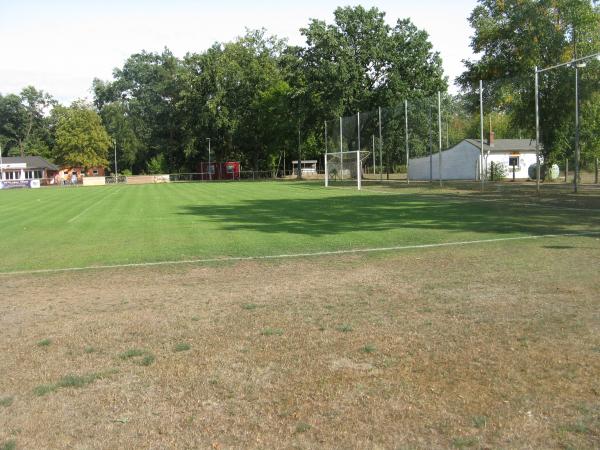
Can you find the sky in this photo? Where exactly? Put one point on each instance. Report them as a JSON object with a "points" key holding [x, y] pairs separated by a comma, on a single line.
{"points": [[60, 46]]}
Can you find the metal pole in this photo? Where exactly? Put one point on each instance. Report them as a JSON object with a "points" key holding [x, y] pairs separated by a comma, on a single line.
{"points": [[406, 137], [358, 172], [481, 168], [1, 166], [373, 154], [116, 168], [380, 149], [341, 154], [326, 151], [596, 170], [566, 169], [576, 179], [440, 136], [209, 171], [537, 130], [358, 118], [430, 149], [326, 172], [299, 154]]}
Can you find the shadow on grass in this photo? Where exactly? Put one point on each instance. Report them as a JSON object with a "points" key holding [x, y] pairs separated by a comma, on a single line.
{"points": [[367, 212]]}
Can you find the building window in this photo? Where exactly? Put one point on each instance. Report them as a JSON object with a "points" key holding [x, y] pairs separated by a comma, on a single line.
{"points": [[513, 161], [95, 172]]}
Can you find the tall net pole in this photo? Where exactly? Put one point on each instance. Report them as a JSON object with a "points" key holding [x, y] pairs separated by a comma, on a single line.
{"points": [[374, 163], [430, 149], [537, 130], [341, 150], [1, 166], [380, 149], [358, 127], [358, 174], [406, 137], [576, 179], [440, 136], [481, 168]]}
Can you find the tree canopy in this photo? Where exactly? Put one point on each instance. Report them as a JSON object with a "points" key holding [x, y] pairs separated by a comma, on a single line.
{"points": [[254, 98], [512, 37], [81, 139]]}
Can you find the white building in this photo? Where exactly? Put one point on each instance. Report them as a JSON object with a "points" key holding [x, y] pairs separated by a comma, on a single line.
{"points": [[16, 170], [462, 162], [309, 166]]}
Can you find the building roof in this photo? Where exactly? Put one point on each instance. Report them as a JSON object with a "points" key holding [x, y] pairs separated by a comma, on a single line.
{"points": [[31, 162], [505, 145]]}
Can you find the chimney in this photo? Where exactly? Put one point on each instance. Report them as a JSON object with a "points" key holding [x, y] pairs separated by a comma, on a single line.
{"points": [[491, 139]]}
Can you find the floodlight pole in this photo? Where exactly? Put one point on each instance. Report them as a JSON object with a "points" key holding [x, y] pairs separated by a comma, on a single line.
{"points": [[481, 168], [440, 137], [406, 137]]}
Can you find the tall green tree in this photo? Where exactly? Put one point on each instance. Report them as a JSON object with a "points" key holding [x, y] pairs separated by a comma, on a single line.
{"points": [[514, 36], [24, 125], [81, 139], [360, 62], [147, 90]]}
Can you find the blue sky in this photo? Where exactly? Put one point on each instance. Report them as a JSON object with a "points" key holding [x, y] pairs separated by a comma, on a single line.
{"points": [[60, 46]]}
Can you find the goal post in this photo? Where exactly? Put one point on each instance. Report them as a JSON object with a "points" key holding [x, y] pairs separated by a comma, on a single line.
{"points": [[345, 168]]}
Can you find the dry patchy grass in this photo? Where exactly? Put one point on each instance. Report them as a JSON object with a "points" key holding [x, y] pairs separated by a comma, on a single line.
{"points": [[485, 346]]}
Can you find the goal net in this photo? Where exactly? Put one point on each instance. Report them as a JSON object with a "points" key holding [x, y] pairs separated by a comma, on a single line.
{"points": [[345, 168]]}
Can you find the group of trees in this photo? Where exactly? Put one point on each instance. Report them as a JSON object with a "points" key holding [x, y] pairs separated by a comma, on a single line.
{"points": [[257, 96], [254, 97], [514, 36], [34, 124]]}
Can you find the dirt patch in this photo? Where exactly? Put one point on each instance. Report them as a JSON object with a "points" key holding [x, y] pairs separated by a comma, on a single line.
{"points": [[487, 346]]}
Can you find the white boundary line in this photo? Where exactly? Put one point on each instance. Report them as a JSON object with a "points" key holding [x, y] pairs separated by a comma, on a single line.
{"points": [[300, 255]]}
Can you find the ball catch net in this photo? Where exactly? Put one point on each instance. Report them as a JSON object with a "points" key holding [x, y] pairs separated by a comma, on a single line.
{"points": [[345, 168]]}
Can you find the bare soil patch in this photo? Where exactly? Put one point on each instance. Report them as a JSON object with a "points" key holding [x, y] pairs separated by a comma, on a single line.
{"points": [[487, 346]]}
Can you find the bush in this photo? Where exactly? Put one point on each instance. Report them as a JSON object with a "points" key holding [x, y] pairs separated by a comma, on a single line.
{"points": [[497, 172]]}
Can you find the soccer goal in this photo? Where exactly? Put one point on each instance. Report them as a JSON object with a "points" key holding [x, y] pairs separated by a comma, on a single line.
{"points": [[345, 167]]}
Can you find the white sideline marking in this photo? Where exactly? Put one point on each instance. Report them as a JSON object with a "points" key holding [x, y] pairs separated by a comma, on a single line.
{"points": [[300, 255], [73, 219]]}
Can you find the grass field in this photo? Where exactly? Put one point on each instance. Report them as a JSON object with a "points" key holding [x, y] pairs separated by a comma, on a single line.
{"points": [[494, 343], [61, 228]]}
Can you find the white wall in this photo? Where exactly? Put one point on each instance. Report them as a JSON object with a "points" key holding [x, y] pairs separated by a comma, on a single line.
{"points": [[458, 163], [526, 159]]}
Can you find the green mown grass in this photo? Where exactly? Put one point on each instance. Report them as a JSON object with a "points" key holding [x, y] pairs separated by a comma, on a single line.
{"points": [[74, 227]]}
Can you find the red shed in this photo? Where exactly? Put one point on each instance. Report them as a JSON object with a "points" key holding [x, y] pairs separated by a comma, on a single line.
{"points": [[220, 171]]}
